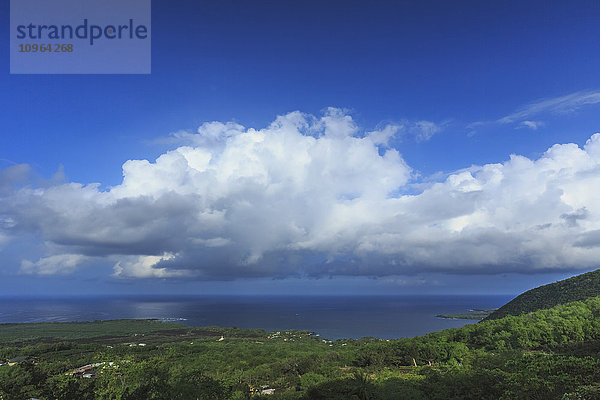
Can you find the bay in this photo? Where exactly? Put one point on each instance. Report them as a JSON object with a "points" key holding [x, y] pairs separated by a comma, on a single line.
{"points": [[332, 317]]}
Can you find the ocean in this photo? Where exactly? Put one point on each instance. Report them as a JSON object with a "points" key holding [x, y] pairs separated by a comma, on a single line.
{"points": [[332, 317]]}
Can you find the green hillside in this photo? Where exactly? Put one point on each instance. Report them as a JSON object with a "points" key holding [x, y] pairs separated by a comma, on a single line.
{"points": [[577, 288], [551, 354]]}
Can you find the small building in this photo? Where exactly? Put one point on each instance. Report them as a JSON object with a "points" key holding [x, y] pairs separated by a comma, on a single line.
{"points": [[88, 370], [82, 370], [266, 390], [16, 360]]}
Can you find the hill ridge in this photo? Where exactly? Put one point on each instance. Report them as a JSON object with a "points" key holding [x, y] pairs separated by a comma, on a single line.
{"points": [[576, 288]]}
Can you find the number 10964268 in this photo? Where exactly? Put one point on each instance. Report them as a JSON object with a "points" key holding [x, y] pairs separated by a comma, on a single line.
{"points": [[46, 48]]}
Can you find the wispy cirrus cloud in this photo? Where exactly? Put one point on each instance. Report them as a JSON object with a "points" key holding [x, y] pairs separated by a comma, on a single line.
{"points": [[531, 124], [424, 130], [556, 105], [528, 116]]}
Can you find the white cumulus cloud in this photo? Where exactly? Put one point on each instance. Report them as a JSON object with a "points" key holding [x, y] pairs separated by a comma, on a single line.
{"points": [[145, 267], [314, 196]]}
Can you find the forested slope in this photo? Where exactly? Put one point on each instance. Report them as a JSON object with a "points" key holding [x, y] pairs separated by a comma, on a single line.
{"points": [[548, 354], [577, 288]]}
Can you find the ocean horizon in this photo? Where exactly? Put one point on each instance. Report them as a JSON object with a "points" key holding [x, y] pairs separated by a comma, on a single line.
{"points": [[332, 317]]}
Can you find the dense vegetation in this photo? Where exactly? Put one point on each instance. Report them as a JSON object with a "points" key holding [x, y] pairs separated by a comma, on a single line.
{"points": [[577, 288], [548, 354], [80, 330]]}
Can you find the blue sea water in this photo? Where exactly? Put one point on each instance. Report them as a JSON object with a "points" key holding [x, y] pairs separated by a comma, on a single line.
{"points": [[332, 317]]}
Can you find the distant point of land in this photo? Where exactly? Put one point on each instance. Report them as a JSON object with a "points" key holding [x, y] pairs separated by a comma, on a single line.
{"points": [[476, 313]]}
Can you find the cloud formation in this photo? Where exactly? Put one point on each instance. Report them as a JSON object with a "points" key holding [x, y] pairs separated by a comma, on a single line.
{"points": [[531, 124], [528, 115], [311, 196], [556, 105], [56, 264], [424, 130]]}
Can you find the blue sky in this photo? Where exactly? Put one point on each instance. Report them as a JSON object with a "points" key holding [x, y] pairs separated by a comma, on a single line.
{"points": [[458, 83]]}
